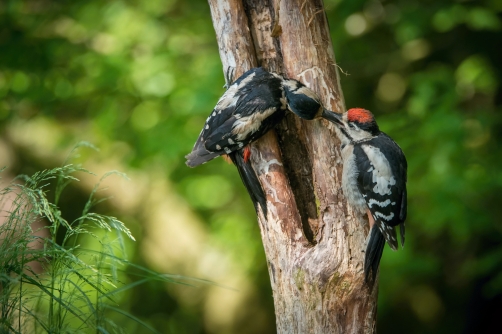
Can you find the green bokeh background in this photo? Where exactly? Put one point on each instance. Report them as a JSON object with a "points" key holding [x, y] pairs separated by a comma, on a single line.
{"points": [[138, 78]]}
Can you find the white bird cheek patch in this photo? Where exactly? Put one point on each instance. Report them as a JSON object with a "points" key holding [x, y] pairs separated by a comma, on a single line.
{"points": [[308, 92], [357, 134], [382, 173]]}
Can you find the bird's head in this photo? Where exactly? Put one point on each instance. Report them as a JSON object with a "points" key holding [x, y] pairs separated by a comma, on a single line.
{"points": [[301, 100], [356, 124]]}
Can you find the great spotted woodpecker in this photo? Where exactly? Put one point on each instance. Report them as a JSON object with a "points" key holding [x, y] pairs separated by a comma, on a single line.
{"points": [[251, 106], [373, 180]]}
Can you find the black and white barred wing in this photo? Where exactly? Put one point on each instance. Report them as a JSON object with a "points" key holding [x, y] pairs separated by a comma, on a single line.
{"points": [[383, 183], [241, 115]]}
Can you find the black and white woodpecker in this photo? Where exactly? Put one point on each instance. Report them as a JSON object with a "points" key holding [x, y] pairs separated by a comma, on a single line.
{"points": [[373, 180], [374, 170], [252, 105]]}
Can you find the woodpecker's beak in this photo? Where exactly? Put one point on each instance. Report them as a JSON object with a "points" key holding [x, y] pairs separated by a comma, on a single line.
{"points": [[333, 117]]}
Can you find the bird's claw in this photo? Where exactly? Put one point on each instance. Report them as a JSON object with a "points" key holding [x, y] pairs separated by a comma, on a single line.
{"points": [[229, 76]]}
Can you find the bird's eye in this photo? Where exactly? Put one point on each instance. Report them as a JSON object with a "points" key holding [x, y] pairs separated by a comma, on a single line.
{"points": [[351, 125]]}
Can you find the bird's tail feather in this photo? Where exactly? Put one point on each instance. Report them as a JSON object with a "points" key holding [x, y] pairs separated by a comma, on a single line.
{"points": [[199, 157], [250, 180], [374, 251], [401, 230], [388, 232]]}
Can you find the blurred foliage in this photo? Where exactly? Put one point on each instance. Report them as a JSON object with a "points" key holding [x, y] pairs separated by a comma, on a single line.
{"points": [[68, 285], [137, 78]]}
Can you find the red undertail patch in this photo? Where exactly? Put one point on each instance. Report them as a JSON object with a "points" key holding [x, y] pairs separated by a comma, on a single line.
{"points": [[247, 153]]}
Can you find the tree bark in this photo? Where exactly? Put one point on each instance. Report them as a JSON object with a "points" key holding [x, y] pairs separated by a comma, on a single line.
{"points": [[313, 241]]}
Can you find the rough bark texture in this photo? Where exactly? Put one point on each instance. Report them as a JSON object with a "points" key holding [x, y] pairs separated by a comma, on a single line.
{"points": [[314, 243]]}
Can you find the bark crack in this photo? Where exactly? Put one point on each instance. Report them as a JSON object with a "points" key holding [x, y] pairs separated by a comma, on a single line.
{"points": [[299, 173]]}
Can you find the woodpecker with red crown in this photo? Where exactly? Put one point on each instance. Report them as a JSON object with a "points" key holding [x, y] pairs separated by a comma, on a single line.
{"points": [[373, 180], [252, 105], [374, 170]]}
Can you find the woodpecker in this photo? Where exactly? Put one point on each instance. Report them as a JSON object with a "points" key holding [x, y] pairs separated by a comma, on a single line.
{"points": [[252, 105], [373, 180]]}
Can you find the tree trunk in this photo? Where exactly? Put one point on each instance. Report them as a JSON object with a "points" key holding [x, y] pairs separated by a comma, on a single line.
{"points": [[313, 241]]}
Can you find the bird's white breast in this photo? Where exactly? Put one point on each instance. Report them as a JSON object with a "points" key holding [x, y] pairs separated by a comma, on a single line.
{"points": [[349, 179]]}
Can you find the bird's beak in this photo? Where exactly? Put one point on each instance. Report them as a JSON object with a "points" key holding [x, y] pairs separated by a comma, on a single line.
{"points": [[333, 117]]}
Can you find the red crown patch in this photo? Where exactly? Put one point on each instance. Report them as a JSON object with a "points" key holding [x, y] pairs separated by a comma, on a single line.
{"points": [[359, 115]]}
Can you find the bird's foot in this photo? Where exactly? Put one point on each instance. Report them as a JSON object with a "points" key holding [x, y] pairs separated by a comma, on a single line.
{"points": [[229, 76]]}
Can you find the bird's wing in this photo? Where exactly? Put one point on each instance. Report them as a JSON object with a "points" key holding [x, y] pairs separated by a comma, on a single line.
{"points": [[240, 115], [382, 181]]}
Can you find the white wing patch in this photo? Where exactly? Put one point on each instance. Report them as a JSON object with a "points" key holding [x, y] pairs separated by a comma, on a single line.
{"points": [[229, 99], [382, 173], [381, 215], [249, 124], [380, 204]]}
